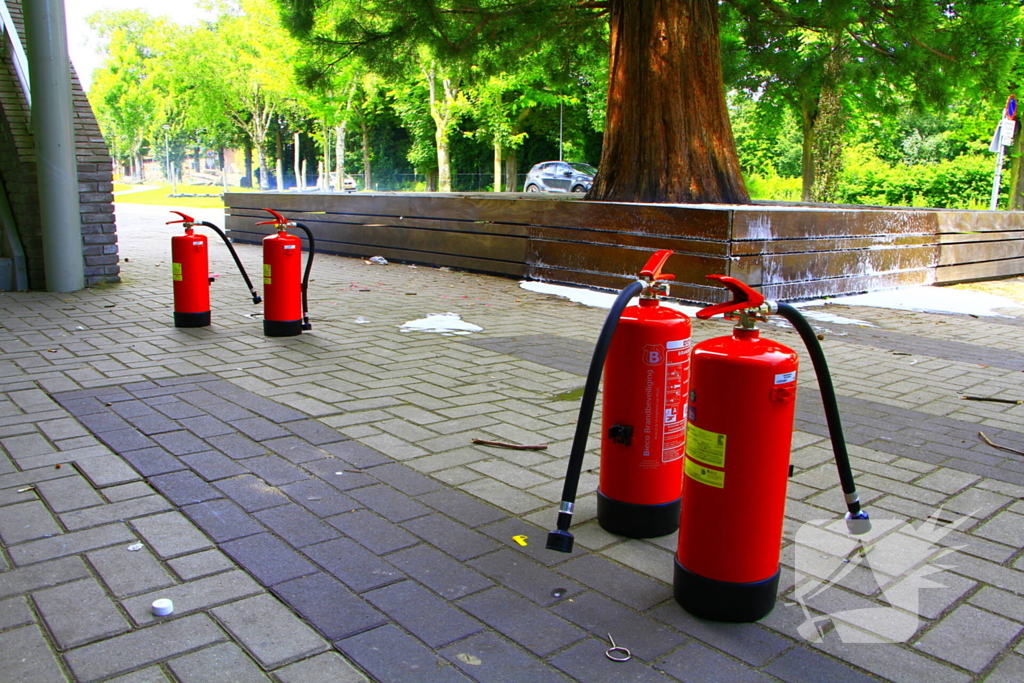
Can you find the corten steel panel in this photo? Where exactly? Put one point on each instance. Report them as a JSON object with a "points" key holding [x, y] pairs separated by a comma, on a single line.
{"points": [[980, 252], [684, 291], [979, 271], [967, 237], [612, 260], [755, 223], [776, 269], [813, 289], [978, 221], [789, 246], [628, 239]]}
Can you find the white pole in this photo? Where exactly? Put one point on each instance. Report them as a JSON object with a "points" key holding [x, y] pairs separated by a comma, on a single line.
{"points": [[997, 180]]}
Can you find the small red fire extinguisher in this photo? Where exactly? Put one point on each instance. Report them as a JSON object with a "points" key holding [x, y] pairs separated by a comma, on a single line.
{"points": [[190, 269], [285, 312], [742, 403], [644, 415]]}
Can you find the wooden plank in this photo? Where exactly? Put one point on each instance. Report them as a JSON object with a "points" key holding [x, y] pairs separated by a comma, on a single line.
{"points": [[759, 223], [967, 272], [752, 247], [774, 269], [953, 254]]}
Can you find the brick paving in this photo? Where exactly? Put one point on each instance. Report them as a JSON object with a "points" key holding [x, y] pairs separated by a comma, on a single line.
{"points": [[317, 510]]}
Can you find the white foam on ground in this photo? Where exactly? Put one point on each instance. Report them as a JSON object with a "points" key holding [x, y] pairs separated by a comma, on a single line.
{"points": [[445, 323], [927, 300], [593, 298], [823, 317]]}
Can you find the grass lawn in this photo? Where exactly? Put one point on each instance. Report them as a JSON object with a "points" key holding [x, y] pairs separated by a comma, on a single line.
{"points": [[160, 195]]}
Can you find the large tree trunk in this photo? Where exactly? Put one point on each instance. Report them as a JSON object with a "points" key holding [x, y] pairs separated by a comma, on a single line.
{"points": [[808, 113], [667, 134], [829, 126], [511, 170], [497, 164]]}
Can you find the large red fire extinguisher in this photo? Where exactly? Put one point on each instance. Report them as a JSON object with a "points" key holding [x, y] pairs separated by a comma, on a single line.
{"points": [[190, 270], [647, 349], [741, 409], [286, 311]]}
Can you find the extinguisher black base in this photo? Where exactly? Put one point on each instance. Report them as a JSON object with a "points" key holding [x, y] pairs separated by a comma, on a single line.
{"points": [[637, 521], [722, 600], [191, 319], [282, 328]]}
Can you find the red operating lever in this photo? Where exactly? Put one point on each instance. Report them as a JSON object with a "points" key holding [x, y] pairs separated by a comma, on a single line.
{"points": [[278, 219], [743, 298], [184, 218], [652, 270]]}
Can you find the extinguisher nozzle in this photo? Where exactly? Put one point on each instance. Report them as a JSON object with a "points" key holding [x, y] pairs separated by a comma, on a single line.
{"points": [[560, 540], [858, 524], [256, 299]]}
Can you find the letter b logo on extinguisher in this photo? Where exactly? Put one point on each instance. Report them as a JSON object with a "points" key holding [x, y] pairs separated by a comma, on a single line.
{"points": [[654, 354]]}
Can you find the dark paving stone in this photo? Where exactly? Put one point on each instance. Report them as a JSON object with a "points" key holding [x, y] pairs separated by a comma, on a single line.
{"points": [[139, 386], [295, 450], [561, 353], [184, 488], [356, 454], [463, 507], [223, 520], [320, 498], [179, 410], [430, 618], [187, 379], [406, 479], [525, 623], [353, 565], [296, 525], [439, 572], [697, 663], [226, 411], [587, 662], [236, 446], [154, 424], [600, 616], [456, 539], [936, 348], [206, 426], [152, 461], [80, 407], [130, 409], [389, 503], [271, 410], [749, 642], [251, 492], [801, 665], [499, 661], [526, 577], [373, 532], [388, 654], [625, 585], [315, 432], [200, 397], [504, 530], [338, 474], [181, 442], [330, 607], [122, 440], [275, 470], [212, 466], [259, 429], [111, 395], [268, 559]]}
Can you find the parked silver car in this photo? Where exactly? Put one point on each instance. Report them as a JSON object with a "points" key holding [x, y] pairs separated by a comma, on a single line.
{"points": [[560, 176]]}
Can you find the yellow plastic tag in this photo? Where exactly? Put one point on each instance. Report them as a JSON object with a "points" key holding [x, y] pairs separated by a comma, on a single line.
{"points": [[521, 540], [707, 447], [266, 273], [704, 475], [176, 271]]}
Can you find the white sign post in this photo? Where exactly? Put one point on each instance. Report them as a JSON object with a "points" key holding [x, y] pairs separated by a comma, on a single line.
{"points": [[1002, 139]]}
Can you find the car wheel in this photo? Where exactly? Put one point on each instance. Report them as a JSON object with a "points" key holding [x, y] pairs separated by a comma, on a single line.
{"points": [[532, 188], [579, 189]]}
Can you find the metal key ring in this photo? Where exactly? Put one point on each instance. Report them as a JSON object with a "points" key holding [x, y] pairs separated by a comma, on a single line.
{"points": [[616, 653]]}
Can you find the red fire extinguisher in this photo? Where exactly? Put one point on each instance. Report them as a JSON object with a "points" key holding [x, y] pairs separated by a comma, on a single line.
{"points": [[643, 420], [190, 269], [740, 426], [286, 312]]}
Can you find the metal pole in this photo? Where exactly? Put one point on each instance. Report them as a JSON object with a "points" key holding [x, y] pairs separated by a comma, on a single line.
{"points": [[997, 180], [560, 131], [54, 133], [167, 151]]}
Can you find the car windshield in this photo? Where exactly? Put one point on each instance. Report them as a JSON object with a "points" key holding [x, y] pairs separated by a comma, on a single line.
{"points": [[584, 168]]}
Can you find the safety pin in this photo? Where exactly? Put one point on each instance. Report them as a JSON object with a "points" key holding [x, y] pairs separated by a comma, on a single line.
{"points": [[616, 653]]}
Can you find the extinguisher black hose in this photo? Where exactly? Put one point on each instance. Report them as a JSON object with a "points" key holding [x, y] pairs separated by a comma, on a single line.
{"points": [[306, 325], [238, 262], [560, 539], [857, 519]]}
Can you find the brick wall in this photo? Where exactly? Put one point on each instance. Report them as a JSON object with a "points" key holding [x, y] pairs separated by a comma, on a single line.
{"points": [[95, 176]]}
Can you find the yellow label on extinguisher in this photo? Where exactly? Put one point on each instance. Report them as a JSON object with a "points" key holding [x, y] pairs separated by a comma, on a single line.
{"points": [[266, 273], [176, 271], [708, 447], [704, 475]]}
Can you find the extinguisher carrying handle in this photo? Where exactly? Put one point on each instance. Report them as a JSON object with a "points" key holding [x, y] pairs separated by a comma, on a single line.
{"points": [[560, 539], [234, 254], [651, 271], [744, 298], [857, 520]]}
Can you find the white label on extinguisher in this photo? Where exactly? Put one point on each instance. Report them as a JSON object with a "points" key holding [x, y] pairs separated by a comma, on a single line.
{"points": [[677, 368], [197, 244], [785, 378], [289, 246]]}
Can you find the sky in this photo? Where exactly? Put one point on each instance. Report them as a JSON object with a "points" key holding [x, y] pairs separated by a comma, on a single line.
{"points": [[82, 41]]}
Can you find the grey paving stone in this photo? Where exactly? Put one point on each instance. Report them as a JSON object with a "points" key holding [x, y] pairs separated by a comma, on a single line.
{"points": [[124, 440], [294, 450], [353, 565], [373, 532], [34, 577], [1005, 527], [184, 488], [626, 586], [389, 503], [490, 659], [105, 421], [223, 520], [439, 572], [696, 663], [153, 461], [749, 642], [122, 492], [526, 577], [431, 619], [275, 470], [197, 565], [107, 470], [25, 522], [586, 662], [171, 534], [193, 596], [148, 675], [62, 608], [212, 465], [128, 409], [179, 410], [258, 428], [268, 559], [206, 426], [802, 665], [600, 615], [388, 654], [14, 612], [154, 424], [113, 512], [356, 454], [459, 541], [320, 498], [505, 530], [329, 667], [522, 621], [1010, 670], [68, 493], [236, 446], [314, 431], [180, 442], [338, 474], [334, 610], [70, 544], [25, 657], [296, 525], [969, 637], [223, 663], [406, 479], [33, 476], [251, 492], [128, 573], [269, 631], [140, 648], [83, 406]]}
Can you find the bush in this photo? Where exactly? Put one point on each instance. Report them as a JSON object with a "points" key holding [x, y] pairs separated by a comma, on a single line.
{"points": [[964, 182], [774, 188]]}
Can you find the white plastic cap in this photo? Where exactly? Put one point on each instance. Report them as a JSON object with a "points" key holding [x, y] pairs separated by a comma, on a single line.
{"points": [[162, 607]]}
